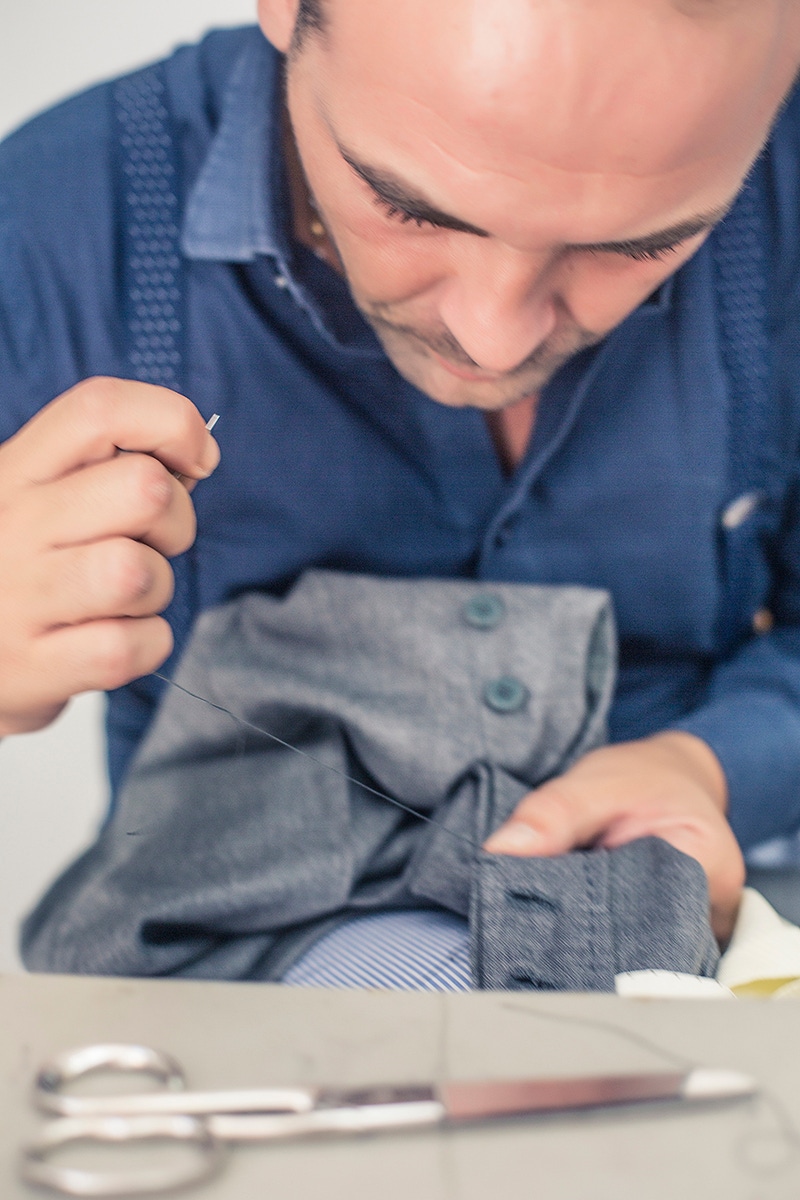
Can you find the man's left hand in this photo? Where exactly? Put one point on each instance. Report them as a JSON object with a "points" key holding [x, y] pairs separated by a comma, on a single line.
{"points": [[670, 786]]}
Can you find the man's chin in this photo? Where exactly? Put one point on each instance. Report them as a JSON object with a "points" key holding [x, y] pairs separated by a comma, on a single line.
{"points": [[456, 393]]}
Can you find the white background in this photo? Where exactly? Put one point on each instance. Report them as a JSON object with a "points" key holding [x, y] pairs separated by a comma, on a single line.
{"points": [[52, 784]]}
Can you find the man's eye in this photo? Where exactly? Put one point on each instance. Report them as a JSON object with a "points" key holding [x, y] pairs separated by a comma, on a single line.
{"points": [[400, 214], [640, 254]]}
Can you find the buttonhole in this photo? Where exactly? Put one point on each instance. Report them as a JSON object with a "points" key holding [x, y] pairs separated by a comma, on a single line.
{"points": [[524, 899], [519, 982]]}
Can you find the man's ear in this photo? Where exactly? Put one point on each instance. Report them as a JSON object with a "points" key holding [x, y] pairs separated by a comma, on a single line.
{"points": [[277, 18]]}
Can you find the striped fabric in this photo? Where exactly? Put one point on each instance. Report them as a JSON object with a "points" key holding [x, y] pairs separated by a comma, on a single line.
{"points": [[415, 950]]}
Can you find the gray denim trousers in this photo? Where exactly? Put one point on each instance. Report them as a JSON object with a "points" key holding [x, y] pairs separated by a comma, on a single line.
{"points": [[228, 853]]}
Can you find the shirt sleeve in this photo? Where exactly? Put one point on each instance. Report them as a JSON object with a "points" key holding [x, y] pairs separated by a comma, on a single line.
{"points": [[750, 714], [23, 383], [751, 720]]}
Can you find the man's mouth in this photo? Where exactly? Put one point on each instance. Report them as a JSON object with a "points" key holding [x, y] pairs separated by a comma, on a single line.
{"points": [[461, 369], [469, 374]]}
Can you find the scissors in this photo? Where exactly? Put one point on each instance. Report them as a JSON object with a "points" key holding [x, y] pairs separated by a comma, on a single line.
{"points": [[208, 1122]]}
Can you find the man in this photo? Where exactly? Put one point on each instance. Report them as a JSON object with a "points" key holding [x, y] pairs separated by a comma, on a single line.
{"points": [[519, 196]]}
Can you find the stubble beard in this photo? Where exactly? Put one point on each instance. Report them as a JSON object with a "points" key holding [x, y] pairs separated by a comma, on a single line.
{"points": [[409, 349]]}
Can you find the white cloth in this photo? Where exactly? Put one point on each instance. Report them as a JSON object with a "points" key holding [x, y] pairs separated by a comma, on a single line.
{"points": [[762, 959]]}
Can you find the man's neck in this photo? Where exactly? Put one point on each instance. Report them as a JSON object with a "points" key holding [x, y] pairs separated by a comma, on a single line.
{"points": [[307, 227], [511, 430]]}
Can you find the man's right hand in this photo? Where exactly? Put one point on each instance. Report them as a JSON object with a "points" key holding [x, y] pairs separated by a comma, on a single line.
{"points": [[85, 534]]}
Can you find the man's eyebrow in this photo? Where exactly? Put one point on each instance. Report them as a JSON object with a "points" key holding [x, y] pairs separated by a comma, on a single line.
{"points": [[394, 192], [673, 235]]}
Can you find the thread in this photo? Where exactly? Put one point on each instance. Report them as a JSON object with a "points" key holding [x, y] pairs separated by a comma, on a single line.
{"points": [[242, 723]]}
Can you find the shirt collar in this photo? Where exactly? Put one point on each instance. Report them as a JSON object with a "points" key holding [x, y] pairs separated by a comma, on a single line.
{"points": [[239, 210], [236, 207]]}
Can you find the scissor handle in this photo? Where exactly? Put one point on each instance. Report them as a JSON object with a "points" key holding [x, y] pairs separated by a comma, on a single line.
{"points": [[36, 1167], [51, 1088], [72, 1065]]}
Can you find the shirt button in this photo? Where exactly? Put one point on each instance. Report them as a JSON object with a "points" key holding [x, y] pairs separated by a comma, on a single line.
{"points": [[505, 695], [484, 611], [740, 509], [281, 281], [763, 621]]}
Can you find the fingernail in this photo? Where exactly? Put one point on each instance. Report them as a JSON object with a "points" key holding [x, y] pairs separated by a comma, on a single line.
{"points": [[209, 460], [514, 838]]}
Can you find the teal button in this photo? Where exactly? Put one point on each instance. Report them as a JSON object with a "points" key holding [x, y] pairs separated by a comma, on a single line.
{"points": [[484, 611], [505, 695]]}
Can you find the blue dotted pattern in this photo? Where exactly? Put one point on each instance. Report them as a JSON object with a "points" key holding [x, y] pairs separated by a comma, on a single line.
{"points": [[741, 249], [740, 259], [151, 253], [152, 268]]}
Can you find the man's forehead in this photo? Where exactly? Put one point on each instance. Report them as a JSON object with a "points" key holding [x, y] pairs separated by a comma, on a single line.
{"points": [[636, 85]]}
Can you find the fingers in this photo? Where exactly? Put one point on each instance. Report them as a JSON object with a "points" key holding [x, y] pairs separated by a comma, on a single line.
{"points": [[552, 820], [98, 417], [668, 775], [85, 533], [114, 578], [130, 496], [657, 787], [103, 655], [106, 596], [100, 655]]}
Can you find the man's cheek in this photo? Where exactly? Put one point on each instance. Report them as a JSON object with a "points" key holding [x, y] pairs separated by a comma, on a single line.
{"points": [[386, 265], [601, 290]]}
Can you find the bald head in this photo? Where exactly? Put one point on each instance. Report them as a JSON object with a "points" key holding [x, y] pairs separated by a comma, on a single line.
{"points": [[312, 16]]}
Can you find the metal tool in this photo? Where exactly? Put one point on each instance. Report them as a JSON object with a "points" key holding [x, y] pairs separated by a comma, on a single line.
{"points": [[207, 1121]]}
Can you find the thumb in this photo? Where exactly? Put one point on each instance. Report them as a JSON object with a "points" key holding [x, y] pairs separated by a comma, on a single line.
{"points": [[546, 822]]}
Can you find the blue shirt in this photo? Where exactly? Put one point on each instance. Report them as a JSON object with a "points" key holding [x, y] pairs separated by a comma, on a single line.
{"points": [[331, 459]]}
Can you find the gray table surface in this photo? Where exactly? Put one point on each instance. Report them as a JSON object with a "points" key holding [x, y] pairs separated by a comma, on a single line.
{"points": [[237, 1035]]}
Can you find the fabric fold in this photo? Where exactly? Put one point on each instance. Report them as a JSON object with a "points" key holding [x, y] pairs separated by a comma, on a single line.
{"points": [[228, 847], [574, 922]]}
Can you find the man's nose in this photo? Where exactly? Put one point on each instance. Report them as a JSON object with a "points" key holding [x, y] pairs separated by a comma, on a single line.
{"points": [[498, 304]]}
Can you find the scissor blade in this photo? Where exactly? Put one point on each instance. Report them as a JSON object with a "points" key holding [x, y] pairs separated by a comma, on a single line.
{"points": [[479, 1101]]}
